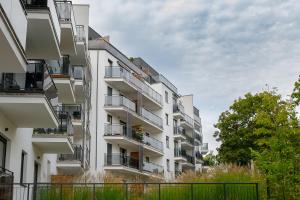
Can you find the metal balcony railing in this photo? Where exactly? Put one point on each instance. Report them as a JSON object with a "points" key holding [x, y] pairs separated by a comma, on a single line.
{"points": [[152, 167], [65, 126], [78, 72], [153, 142], [35, 4], [178, 130], [178, 107], [80, 36], [187, 119], [6, 184], [179, 152], [189, 139], [121, 160], [35, 80], [121, 130], [119, 72], [152, 117], [77, 156], [120, 101]]}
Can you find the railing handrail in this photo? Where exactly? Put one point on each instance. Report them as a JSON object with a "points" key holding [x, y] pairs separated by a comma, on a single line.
{"points": [[141, 85]]}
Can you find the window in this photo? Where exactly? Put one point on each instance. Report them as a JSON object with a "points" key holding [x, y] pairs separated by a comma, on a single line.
{"points": [[3, 143], [168, 165], [147, 159], [109, 119], [109, 91], [167, 142], [23, 167], [166, 97], [110, 62], [167, 119]]}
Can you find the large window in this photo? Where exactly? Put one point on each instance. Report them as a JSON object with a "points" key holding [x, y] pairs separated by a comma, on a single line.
{"points": [[166, 97], [23, 167], [3, 143], [167, 119]]}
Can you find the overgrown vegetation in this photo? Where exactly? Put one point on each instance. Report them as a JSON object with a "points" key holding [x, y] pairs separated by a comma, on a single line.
{"points": [[263, 129]]}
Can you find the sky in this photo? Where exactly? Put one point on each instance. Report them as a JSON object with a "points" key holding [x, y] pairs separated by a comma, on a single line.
{"points": [[217, 50]]}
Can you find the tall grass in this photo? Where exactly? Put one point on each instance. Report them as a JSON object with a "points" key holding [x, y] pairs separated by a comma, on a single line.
{"points": [[181, 189]]}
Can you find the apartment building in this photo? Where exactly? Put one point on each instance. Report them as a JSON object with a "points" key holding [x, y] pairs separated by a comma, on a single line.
{"points": [[71, 103], [44, 89]]}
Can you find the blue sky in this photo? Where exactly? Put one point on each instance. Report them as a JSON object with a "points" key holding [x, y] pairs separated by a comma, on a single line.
{"points": [[216, 49]]}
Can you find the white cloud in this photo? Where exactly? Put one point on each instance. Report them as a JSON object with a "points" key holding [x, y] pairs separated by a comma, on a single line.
{"points": [[223, 48]]}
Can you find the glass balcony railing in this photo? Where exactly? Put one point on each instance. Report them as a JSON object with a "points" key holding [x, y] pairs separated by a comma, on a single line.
{"points": [[62, 67], [124, 102], [76, 156], [179, 152], [204, 147], [153, 142], [189, 139], [121, 130], [119, 72], [35, 4], [35, 80], [190, 159], [78, 72], [116, 159], [178, 107], [152, 117], [65, 126], [178, 130], [187, 119], [120, 101], [80, 36], [74, 111], [152, 167]]}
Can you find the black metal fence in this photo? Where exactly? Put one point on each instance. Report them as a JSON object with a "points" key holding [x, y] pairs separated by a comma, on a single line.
{"points": [[132, 191]]}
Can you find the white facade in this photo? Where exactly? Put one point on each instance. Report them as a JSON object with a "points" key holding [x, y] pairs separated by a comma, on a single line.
{"points": [[72, 104]]}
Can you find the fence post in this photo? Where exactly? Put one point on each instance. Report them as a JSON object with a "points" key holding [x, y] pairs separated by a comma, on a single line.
{"points": [[257, 193], [94, 191], [28, 188], [159, 191], [126, 192], [192, 191], [224, 188], [61, 191]]}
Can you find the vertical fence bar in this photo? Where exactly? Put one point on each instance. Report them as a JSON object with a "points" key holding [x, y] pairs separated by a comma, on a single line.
{"points": [[28, 186], [257, 193], [94, 191], [192, 191], [126, 191], [159, 191], [224, 188], [61, 191]]}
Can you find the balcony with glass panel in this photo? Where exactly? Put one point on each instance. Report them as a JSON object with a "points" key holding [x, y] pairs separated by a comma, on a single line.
{"points": [[62, 74], [130, 83], [178, 111], [125, 110], [188, 143], [25, 98], [128, 138], [179, 133], [187, 122], [204, 148], [73, 163], [81, 58], [68, 27], [77, 119], [43, 29], [179, 154], [55, 140], [78, 73]]}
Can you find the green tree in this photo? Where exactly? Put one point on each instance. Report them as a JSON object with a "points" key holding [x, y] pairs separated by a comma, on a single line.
{"points": [[210, 160], [237, 127]]}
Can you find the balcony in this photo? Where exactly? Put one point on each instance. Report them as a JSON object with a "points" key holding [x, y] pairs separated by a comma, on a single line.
{"points": [[43, 30], [204, 148], [71, 164], [187, 122], [188, 143], [81, 57], [198, 139], [79, 88], [179, 133], [124, 108], [13, 34], [129, 84], [124, 164], [6, 184], [178, 111], [190, 162], [62, 75], [25, 97], [117, 133], [55, 140], [179, 155], [199, 157], [68, 27], [76, 118]]}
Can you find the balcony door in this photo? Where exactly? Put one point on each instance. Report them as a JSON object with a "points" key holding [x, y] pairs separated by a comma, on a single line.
{"points": [[109, 153], [3, 144]]}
